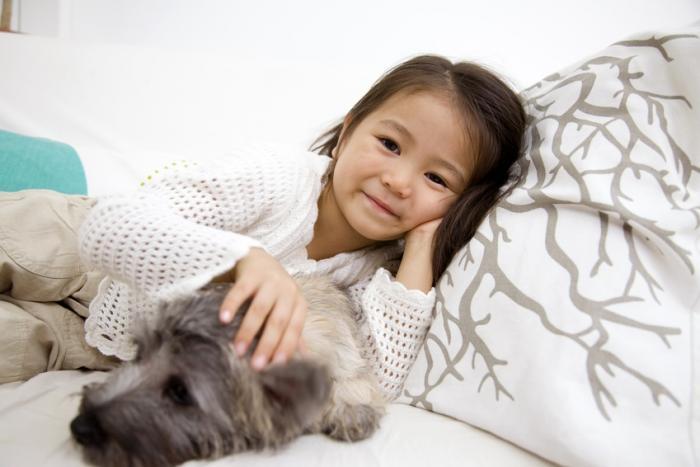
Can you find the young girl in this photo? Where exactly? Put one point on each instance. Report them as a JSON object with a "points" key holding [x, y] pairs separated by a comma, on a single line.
{"points": [[400, 185]]}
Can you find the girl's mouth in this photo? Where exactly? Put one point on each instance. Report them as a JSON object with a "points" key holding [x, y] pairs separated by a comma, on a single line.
{"points": [[378, 205]]}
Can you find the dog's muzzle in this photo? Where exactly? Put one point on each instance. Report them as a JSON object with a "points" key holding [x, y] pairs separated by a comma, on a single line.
{"points": [[87, 430]]}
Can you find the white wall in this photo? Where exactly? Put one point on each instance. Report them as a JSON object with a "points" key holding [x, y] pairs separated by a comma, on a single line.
{"points": [[185, 76], [523, 39]]}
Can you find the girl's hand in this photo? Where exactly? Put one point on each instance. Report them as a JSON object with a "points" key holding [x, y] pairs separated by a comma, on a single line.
{"points": [[422, 235], [277, 304], [416, 270]]}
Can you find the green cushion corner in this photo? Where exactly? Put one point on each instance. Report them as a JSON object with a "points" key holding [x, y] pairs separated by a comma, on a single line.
{"points": [[37, 163]]}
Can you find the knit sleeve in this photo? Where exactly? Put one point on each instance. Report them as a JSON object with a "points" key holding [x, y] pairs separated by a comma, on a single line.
{"points": [[394, 321], [178, 232]]}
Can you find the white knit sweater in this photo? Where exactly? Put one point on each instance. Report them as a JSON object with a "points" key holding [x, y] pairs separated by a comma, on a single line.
{"points": [[191, 223]]}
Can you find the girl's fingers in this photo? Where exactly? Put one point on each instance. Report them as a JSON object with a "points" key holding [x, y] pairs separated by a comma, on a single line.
{"points": [[254, 318], [238, 294], [275, 326], [303, 348], [291, 339]]}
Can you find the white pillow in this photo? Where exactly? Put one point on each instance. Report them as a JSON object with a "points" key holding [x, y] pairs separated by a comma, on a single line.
{"points": [[569, 324]]}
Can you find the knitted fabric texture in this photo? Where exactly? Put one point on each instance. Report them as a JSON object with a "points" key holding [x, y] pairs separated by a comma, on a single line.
{"points": [[193, 223]]}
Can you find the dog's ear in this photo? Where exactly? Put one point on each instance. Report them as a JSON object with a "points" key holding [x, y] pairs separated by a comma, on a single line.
{"points": [[195, 314], [296, 391]]}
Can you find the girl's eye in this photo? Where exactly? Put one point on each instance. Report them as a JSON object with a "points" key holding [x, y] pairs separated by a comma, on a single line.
{"points": [[390, 145], [436, 178]]}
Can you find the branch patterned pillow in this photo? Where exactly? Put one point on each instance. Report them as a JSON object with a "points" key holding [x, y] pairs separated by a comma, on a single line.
{"points": [[569, 325]]}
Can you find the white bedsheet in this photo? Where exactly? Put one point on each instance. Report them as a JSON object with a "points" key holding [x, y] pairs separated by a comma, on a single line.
{"points": [[35, 415]]}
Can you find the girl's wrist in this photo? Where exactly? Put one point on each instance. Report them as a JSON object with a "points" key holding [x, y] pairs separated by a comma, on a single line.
{"points": [[253, 255], [415, 270], [419, 245]]}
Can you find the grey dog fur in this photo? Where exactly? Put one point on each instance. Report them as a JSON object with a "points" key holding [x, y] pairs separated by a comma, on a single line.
{"points": [[187, 395]]}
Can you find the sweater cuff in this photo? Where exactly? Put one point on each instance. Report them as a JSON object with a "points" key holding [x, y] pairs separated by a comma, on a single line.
{"points": [[385, 282]]}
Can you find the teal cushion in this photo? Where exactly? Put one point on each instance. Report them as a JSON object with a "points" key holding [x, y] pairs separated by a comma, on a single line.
{"points": [[27, 162]]}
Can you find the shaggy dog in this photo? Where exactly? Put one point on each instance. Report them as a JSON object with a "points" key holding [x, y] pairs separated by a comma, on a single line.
{"points": [[187, 395]]}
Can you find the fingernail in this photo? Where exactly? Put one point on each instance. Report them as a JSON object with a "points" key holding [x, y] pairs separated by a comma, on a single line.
{"points": [[259, 362], [240, 348], [226, 316], [279, 358]]}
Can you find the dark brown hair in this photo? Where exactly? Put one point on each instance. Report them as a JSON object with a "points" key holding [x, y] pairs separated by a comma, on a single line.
{"points": [[494, 124]]}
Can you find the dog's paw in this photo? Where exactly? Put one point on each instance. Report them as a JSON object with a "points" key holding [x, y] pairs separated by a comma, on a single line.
{"points": [[352, 422]]}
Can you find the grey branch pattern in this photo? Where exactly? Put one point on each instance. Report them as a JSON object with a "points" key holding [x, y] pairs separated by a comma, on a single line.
{"points": [[615, 215]]}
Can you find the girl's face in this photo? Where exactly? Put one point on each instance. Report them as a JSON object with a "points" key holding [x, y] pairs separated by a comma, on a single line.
{"points": [[402, 166]]}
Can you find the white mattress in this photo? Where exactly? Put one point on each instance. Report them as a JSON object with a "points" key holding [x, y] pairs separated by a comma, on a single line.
{"points": [[35, 415]]}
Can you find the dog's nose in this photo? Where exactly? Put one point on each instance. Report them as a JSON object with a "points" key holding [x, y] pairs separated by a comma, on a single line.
{"points": [[87, 430]]}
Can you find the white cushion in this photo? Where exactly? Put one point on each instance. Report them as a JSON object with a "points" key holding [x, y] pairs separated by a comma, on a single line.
{"points": [[569, 324]]}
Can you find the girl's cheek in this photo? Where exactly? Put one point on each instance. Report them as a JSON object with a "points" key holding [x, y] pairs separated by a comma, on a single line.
{"points": [[444, 205]]}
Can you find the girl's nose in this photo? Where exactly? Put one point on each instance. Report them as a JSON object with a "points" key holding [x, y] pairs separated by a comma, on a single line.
{"points": [[398, 182]]}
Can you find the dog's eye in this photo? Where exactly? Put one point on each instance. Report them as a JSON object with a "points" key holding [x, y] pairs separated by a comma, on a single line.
{"points": [[176, 391]]}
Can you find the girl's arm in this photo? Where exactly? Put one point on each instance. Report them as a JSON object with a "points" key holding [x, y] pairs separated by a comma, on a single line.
{"points": [[395, 314], [416, 271], [393, 323], [176, 234]]}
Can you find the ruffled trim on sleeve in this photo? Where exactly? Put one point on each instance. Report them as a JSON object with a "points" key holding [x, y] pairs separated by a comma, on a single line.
{"points": [[383, 280]]}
